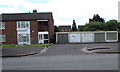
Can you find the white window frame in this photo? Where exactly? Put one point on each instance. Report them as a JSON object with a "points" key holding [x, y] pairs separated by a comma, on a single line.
{"points": [[2, 38], [2, 25], [21, 39], [23, 24], [41, 38]]}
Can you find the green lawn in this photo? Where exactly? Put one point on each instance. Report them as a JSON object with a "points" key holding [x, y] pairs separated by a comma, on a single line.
{"points": [[32, 45], [8, 45], [38, 45]]}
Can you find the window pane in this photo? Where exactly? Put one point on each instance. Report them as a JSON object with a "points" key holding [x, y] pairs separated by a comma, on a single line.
{"points": [[19, 38], [3, 25], [45, 41], [18, 24], [45, 36], [0, 25], [40, 36], [2, 38], [24, 38], [27, 24], [23, 25], [27, 37]]}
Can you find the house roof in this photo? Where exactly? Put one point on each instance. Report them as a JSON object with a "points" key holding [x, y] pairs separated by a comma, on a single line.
{"points": [[26, 16], [65, 27]]}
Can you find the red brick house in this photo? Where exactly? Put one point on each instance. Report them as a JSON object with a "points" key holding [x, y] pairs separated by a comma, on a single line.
{"points": [[26, 28]]}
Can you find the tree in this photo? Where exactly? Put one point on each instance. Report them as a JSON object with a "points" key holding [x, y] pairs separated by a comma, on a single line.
{"points": [[94, 26], [98, 23], [111, 25], [97, 18], [74, 28], [56, 29], [118, 26], [81, 28]]}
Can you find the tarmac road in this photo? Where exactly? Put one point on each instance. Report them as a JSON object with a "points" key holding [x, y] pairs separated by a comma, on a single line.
{"points": [[76, 49], [65, 57]]}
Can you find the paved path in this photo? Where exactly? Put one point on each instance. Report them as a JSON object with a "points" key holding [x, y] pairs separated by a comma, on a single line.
{"points": [[20, 51], [107, 48]]}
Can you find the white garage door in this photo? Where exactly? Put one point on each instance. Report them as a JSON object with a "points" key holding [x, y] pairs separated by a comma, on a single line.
{"points": [[87, 37], [74, 38]]}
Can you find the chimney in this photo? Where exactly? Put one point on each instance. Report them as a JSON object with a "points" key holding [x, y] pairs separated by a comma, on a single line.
{"points": [[35, 11]]}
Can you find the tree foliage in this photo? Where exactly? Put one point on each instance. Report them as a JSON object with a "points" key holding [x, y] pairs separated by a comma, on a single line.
{"points": [[98, 23], [56, 29], [74, 28], [94, 26], [118, 26], [97, 18], [111, 25]]}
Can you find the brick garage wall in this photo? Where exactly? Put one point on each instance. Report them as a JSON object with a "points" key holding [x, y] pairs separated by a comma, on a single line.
{"points": [[34, 31], [10, 32]]}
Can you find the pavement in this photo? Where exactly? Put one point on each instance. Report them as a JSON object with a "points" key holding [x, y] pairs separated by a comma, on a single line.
{"points": [[103, 48], [20, 51], [61, 49]]}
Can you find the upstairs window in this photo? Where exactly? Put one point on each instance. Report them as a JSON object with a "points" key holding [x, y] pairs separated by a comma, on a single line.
{"points": [[2, 25], [23, 24]]}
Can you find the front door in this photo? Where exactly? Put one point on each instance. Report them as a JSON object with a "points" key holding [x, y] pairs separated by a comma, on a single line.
{"points": [[43, 37]]}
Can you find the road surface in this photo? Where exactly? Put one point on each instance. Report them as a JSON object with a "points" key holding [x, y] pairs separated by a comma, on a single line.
{"points": [[64, 57]]}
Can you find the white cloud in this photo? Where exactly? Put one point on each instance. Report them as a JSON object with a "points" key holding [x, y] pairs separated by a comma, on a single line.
{"points": [[80, 10]]}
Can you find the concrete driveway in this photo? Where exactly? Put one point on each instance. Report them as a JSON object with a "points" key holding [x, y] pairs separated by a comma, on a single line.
{"points": [[64, 49]]}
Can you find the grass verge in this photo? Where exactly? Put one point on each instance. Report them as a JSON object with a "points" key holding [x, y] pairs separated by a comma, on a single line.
{"points": [[38, 45], [32, 45], [8, 45]]}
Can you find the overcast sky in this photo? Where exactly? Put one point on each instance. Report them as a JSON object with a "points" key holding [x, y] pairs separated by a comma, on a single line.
{"points": [[64, 11]]}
